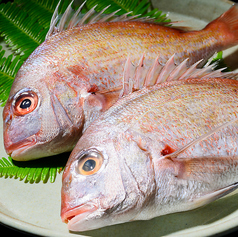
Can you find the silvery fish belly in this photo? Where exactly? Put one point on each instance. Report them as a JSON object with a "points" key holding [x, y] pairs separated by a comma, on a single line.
{"points": [[75, 75], [166, 148]]}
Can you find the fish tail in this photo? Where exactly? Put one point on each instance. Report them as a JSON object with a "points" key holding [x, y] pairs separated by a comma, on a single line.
{"points": [[227, 23]]}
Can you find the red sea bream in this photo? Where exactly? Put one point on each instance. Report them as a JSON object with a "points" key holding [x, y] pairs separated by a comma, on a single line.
{"points": [[75, 75], [166, 148]]}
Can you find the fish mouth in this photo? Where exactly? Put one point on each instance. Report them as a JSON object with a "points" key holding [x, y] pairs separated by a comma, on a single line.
{"points": [[76, 214], [16, 149]]}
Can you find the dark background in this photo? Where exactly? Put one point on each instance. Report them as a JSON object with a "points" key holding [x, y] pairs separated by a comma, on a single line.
{"points": [[9, 231]]}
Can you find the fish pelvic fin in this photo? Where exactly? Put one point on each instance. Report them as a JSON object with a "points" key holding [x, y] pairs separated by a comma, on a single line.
{"points": [[228, 24], [136, 77]]}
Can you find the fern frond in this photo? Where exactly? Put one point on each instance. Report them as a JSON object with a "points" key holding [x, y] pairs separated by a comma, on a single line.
{"points": [[219, 62], [31, 171], [125, 5], [8, 71], [42, 10], [136, 7], [21, 32]]}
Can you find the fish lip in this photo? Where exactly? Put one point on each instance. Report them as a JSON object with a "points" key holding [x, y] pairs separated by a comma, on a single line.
{"points": [[17, 148], [77, 213]]}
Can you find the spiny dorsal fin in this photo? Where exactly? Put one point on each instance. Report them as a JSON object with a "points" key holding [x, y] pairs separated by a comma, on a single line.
{"points": [[137, 77], [68, 21]]}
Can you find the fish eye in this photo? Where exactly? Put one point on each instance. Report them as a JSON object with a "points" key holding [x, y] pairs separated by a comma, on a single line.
{"points": [[89, 162], [25, 103]]}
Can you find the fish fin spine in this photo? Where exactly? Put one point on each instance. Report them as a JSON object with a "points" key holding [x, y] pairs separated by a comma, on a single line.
{"points": [[67, 21], [140, 76]]}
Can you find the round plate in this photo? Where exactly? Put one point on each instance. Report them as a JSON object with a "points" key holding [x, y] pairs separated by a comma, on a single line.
{"points": [[35, 208]]}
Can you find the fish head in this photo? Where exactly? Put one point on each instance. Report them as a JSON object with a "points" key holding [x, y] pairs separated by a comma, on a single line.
{"points": [[107, 180], [36, 122]]}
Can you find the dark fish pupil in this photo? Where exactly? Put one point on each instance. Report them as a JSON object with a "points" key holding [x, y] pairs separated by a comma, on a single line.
{"points": [[25, 104], [89, 165]]}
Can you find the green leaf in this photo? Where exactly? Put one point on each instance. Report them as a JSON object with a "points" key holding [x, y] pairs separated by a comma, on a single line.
{"points": [[53, 172], [42, 10], [135, 7], [8, 70], [21, 32], [33, 171], [219, 62]]}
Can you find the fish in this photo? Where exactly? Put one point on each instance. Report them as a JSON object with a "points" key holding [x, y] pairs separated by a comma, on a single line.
{"points": [[169, 147], [75, 74]]}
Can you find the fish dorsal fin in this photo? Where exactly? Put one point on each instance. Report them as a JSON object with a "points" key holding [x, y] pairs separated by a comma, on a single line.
{"points": [[67, 21], [138, 77]]}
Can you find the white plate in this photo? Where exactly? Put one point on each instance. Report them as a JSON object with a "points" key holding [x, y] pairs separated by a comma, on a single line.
{"points": [[35, 208]]}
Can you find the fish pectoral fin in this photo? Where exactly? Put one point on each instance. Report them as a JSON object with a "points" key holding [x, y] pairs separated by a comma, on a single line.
{"points": [[96, 103], [199, 139], [210, 197], [206, 169], [204, 178]]}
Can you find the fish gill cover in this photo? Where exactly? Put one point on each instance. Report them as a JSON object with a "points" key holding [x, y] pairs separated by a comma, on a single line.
{"points": [[23, 27]]}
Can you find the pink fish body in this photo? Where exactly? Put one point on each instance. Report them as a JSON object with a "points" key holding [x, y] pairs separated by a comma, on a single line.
{"points": [[167, 148], [75, 75]]}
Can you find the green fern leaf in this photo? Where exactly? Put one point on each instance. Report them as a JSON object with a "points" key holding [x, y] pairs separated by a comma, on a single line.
{"points": [[32, 171], [53, 172], [24, 173], [125, 5], [21, 32], [42, 10], [136, 7], [45, 173], [8, 70]]}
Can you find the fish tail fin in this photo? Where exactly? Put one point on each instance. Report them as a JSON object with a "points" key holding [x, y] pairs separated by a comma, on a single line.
{"points": [[228, 23]]}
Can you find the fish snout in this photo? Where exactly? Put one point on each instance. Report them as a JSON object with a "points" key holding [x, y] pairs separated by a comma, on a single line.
{"points": [[15, 149], [76, 216], [68, 213]]}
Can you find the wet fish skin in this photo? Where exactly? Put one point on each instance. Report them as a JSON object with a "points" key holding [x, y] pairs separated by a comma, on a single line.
{"points": [[145, 171], [76, 75]]}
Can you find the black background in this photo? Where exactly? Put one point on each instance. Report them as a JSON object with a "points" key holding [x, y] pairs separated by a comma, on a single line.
{"points": [[9, 231]]}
